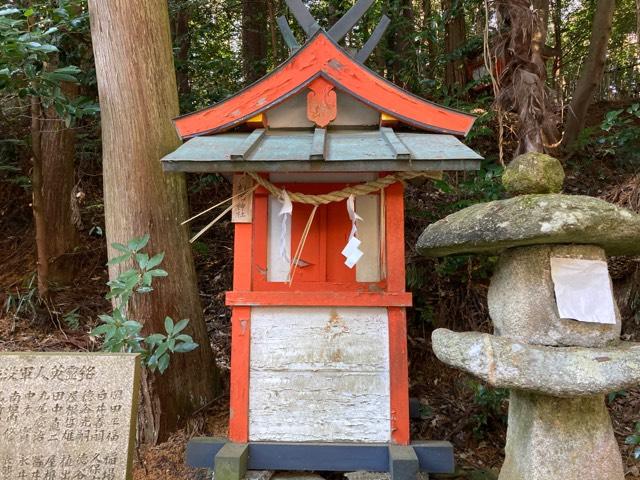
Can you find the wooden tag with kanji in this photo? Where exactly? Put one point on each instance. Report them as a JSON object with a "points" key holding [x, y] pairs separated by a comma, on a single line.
{"points": [[242, 211]]}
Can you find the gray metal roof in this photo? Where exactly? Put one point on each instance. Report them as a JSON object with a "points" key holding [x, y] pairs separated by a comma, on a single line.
{"points": [[322, 151]]}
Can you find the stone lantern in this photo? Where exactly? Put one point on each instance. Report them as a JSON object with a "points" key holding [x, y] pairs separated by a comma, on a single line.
{"points": [[556, 342]]}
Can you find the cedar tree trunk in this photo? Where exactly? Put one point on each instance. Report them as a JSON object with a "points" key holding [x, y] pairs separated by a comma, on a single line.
{"points": [[254, 39], [57, 147], [183, 42], [454, 38], [138, 98], [592, 70]]}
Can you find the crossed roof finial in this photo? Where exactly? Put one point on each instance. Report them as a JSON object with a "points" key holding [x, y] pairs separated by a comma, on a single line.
{"points": [[338, 31]]}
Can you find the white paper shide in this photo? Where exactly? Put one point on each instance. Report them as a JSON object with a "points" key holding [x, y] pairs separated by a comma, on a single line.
{"points": [[583, 290]]}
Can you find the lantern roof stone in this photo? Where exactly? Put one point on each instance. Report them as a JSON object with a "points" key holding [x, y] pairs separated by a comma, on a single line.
{"points": [[534, 219]]}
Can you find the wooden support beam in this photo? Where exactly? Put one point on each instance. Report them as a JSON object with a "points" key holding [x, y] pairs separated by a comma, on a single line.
{"points": [[287, 34], [395, 144], [249, 145], [366, 50], [303, 16], [349, 20], [319, 144], [433, 456]]}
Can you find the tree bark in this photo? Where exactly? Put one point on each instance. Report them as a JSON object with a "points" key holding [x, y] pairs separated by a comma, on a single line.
{"points": [[402, 41], [138, 98], [556, 72], [427, 12], [57, 147], [592, 70], [42, 256], [254, 39], [455, 33], [183, 42]]}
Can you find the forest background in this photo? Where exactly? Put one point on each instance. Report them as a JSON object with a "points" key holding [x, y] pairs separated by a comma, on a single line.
{"points": [[559, 76]]}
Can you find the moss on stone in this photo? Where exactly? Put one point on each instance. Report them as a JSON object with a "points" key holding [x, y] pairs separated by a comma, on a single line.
{"points": [[533, 173]]}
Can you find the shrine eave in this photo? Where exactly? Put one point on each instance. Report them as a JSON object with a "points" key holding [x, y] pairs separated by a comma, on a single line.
{"points": [[322, 57], [322, 151]]}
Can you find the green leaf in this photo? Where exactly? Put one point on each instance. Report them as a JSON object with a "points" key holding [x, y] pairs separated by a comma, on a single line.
{"points": [[632, 440], [144, 289], [118, 259], [181, 325], [185, 347], [163, 363], [184, 338], [132, 324], [40, 47], [154, 339], [101, 329], [120, 247], [8, 11], [162, 348], [168, 325], [28, 12], [142, 259], [158, 273], [138, 243], [155, 260], [106, 318]]}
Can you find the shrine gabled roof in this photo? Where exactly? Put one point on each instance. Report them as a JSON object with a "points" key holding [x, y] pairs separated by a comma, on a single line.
{"points": [[322, 150], [322, 57]]}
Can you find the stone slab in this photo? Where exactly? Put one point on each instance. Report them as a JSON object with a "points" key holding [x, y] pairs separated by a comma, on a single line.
{"points": [[68, 415], [556, 371], [492, 227], [403, 462], [231, 461]]}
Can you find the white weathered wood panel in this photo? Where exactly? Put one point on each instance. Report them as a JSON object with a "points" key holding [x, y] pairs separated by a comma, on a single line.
{"points": [[319, 374], [368, 268]]}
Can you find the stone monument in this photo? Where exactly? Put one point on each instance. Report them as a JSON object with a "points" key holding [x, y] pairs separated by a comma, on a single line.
{"points": [[556, 342], [67, 416]]}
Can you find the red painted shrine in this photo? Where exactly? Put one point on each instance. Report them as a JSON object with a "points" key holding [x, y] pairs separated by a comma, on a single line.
{"points": [[317, 151]]}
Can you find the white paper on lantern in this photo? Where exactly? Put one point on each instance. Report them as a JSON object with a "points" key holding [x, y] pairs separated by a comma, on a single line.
{"points": [[583, 290]]}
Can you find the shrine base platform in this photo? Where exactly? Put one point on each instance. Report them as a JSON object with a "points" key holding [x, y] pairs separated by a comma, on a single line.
{"points": [[402, 462]]}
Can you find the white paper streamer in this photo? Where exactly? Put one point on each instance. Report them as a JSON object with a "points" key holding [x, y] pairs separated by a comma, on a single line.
{"points": [[285, 213], [351, 251], [583, 290]]}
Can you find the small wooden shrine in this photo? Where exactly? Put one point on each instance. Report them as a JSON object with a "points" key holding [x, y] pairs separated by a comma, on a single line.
{"points": [[318, 150]]}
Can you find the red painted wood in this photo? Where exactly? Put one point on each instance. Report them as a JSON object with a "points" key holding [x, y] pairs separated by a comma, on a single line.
{"points": [[239, 388], [399, 376], [298, 298], [320, 56], [337, 236], [394, 229], [327, 271], [322, 102], [313, 258], [240, 336]]}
